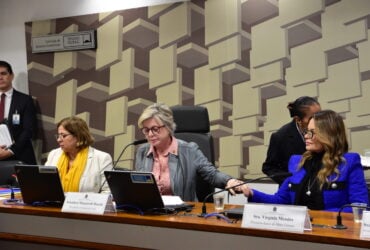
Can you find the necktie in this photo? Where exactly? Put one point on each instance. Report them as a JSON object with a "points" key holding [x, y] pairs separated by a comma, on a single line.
{"points": [[2, 106]]}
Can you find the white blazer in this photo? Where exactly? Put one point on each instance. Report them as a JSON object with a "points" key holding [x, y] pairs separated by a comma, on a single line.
{"points": [[92, 178]]}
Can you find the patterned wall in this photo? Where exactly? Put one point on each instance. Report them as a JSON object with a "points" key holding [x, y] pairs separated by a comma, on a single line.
{"points": [[242, 59]]}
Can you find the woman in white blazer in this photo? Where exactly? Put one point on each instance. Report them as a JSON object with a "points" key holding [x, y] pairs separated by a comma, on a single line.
{"points": [[81, 167]]}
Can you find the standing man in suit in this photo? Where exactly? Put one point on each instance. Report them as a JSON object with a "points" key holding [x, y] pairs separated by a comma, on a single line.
{"points": [[19, 113], [289, 139]]}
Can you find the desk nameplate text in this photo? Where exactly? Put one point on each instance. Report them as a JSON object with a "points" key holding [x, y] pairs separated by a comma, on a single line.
{"points": [[88, 203], [365, 225], [276, 217]]}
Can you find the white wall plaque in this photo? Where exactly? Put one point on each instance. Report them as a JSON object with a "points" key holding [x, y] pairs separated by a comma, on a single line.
{"points": [[64, 42]]}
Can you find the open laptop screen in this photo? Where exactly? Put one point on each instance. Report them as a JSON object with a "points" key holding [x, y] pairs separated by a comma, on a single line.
{"points": [[40, 185], [133, 190]]}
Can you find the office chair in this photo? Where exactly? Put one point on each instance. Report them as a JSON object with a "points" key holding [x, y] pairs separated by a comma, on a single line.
{"points": [[7, 173], [192, 125]]}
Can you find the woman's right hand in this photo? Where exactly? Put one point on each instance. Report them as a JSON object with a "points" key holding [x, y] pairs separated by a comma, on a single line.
{"points": [[247, 191]]}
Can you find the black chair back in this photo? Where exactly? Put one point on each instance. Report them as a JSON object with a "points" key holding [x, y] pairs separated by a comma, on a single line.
{"points": [[192, 125]]}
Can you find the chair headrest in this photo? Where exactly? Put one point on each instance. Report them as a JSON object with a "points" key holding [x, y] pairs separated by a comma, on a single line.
{"points": [[191, 119]]}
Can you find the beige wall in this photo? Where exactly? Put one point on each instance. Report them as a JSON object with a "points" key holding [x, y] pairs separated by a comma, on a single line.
{"points": [[243, 60]]}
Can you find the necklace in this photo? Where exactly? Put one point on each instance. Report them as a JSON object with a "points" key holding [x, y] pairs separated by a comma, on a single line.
{"points": [[309, 186], [300, 131]]}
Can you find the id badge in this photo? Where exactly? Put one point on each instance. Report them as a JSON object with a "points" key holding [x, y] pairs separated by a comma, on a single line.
{"points": [[16, 119]]}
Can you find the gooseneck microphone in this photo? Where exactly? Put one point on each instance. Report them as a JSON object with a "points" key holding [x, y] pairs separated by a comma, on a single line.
{"points": [[339, 224], [204, 208], [11, 183], [138, 142]]}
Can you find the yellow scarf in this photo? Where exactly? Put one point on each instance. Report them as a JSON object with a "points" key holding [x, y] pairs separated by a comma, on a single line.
{"points": [[71, 177]]}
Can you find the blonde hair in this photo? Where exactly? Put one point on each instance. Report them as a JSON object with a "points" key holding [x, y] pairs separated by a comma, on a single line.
{"points": [[162, 113], [330, 132]]}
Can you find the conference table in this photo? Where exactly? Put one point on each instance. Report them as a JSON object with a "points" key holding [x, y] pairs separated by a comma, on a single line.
{"points": [[24, 227]]}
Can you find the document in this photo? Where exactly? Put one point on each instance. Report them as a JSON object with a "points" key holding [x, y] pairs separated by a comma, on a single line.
{"points": [[5, 137], [170, 200]]}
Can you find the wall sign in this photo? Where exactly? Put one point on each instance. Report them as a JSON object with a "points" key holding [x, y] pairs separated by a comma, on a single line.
{"points": [[64, 42]]}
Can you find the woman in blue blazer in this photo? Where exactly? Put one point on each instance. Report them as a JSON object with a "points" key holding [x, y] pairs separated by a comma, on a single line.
{"points": [[326, 176]]}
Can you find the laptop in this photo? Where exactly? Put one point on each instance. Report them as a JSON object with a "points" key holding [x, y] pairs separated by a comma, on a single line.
{"points": [[234, 213], [40, 185], [138, 192]]}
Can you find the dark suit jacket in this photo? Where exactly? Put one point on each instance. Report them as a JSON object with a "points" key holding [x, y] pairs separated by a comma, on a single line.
{"points": [[23, 132], [283, 144]]}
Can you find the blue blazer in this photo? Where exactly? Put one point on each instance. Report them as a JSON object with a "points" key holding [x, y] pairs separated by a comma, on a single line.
{"points": [[348, 188]]}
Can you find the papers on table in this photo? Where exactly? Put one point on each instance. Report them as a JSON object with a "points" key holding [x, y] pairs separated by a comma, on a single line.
{"points": [[169, 200], [365, 161], [5, 137]]}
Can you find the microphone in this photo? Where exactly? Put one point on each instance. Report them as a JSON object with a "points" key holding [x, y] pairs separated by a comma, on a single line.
{"points": [[119, 157], [339, 224], [10, 185], [138, 142], [204, 208]]}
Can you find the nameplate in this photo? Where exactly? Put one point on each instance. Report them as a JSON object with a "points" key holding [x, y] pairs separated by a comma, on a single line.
{"points": [[64, 42], [276, 217], [365, 225], [88, 203]]}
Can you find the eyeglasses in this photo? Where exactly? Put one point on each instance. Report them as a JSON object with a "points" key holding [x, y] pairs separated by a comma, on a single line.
{"points": [[309, 133], [155, 130], [61, 136], [4, 73]]}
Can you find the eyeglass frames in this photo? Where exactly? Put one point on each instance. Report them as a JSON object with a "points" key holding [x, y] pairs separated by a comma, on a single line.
{"points": [[61, 136], [155, 130], [309, 133]]}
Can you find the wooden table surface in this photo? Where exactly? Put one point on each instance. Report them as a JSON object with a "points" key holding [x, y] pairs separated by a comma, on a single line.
{"points": [[192, 221]]}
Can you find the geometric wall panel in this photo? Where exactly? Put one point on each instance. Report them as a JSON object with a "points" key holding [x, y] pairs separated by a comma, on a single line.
{"points": [[162, 66], [222, 19], [174, 25], [65, 62], [225, 52], [344, 78], [141, 33], [308, 64], [244, 60], [116, 120], [110, 43], [65, 100]]}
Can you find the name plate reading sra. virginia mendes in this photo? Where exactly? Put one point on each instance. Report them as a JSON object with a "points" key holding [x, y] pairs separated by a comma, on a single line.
{"points": [[64, 42], [365, 225], [276, 217]]}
